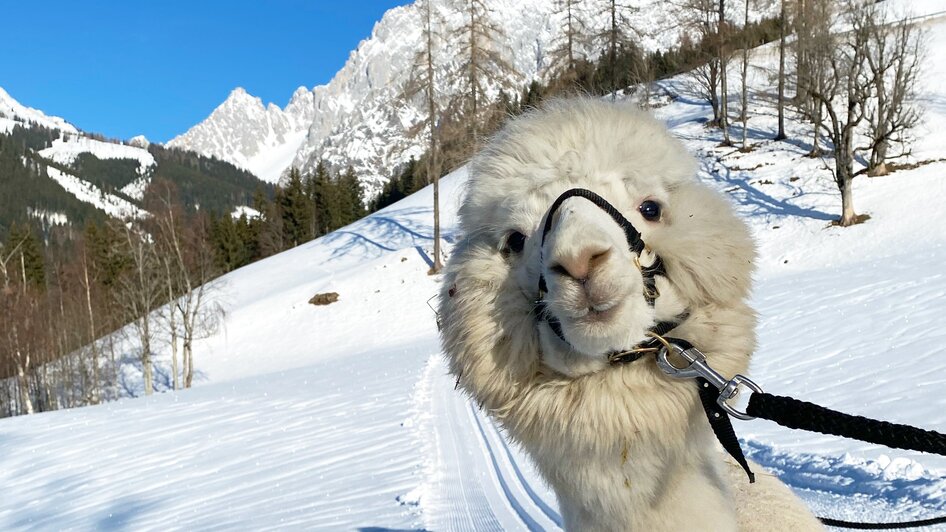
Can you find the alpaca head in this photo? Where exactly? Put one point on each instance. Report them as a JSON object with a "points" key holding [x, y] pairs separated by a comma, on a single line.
{"points": [[595, 288]]}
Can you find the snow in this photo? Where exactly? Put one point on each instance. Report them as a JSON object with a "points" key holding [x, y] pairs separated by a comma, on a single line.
{"points": [[242, 210], [46, 217], [139, 141], [65, 151], [89, 193], [344, 417], [13, 112]]}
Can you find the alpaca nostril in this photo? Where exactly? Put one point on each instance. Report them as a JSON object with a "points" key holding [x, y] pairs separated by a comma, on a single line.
{"points": [[580, 265]]}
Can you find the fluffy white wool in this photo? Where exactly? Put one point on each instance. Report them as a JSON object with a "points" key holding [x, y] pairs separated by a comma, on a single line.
{"points": [[625, 448]]}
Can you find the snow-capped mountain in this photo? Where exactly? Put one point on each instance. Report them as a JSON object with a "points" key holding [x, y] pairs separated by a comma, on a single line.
{"points": [[360, 118], [262, 139], [13, 112]]}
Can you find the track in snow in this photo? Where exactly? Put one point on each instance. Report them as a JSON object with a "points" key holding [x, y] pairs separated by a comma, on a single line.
{"points": [[476, 481]]}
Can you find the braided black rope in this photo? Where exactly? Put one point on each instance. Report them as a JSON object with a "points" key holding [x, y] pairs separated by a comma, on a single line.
{"points": [[882, 526], [803, 415], [796, 414]]}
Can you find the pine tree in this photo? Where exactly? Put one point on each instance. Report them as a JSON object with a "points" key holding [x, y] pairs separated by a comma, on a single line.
{"points": [[296, 211], [353, 208], [320, 195]]}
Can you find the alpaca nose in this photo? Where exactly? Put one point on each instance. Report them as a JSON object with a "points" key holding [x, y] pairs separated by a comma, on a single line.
{"points": [[580, 265]]}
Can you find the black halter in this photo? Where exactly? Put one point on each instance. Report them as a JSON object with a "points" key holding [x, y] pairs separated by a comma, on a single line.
{"points": [[635, 245]]}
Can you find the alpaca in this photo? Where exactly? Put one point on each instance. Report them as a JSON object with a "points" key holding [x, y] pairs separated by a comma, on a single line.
{"points": [[623, 446]]}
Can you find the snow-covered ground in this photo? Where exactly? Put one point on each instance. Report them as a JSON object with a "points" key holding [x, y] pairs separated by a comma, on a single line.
{"points": [[343, 416]]}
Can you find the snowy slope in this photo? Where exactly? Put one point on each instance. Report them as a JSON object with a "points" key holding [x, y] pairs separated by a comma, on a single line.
{"points": [[66, 149], [343, 416], [358, 117], [87, 192]]}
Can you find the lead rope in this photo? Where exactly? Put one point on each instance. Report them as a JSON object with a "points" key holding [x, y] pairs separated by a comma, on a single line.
{"points": [[794, 414], [715, 390]]}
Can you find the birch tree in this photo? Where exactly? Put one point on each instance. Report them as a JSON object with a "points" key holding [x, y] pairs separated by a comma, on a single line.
{"points": [[139, 289]]}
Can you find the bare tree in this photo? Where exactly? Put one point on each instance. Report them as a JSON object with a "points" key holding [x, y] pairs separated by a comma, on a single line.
{"points": [[86, 282], [563, 57], [139, 289], [744, 113], [189, 270], [424, 81], [813, 52], [699, 17], [616, 37], [893, 60], [481, 40], [844, 95]]}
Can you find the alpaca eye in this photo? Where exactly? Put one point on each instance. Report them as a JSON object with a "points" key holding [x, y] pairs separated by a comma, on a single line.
{"points": [[515, 242], [650, 210]]}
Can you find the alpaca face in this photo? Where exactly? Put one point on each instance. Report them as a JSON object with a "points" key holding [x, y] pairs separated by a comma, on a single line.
{"points": [[595, 289]]}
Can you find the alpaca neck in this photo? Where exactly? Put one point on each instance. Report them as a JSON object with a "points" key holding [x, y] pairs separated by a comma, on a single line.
{"points": [[649, 485]]}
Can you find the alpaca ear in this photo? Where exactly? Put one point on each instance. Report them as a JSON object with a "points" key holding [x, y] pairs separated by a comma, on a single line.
{"points": [[708, 251]]}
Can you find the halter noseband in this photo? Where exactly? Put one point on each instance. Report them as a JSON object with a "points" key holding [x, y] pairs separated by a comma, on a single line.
{"points": [[635, 245]]}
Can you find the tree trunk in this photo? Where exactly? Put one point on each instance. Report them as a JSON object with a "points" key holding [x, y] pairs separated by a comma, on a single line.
{"points": [[96, 392], [23, 382], [612, 54], [781, 75], [844, 166], [188, 364], [433, 166], [723, 87], [147, 371], [848, 217], [745, 74], [473, 57]]}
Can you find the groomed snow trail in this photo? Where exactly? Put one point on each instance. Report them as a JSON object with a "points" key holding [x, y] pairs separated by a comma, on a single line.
{"points": [[476, 482]]}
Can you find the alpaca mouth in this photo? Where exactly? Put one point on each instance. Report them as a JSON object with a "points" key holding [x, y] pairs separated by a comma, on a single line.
{"points": [[599, 313]]}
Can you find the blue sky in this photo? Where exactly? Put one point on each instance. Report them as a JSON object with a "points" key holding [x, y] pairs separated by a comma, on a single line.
{"points": [[123, 68]]}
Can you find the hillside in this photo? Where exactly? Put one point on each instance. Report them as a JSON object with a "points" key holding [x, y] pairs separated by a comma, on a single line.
{"points": [[55, 175], [343, 416]]}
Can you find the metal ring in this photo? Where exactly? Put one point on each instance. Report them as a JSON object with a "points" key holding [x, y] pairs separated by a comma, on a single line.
{"points": [[730, 390]]}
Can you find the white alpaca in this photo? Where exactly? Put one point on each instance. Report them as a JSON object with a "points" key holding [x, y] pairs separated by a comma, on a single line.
{"points": [[624, 447]]}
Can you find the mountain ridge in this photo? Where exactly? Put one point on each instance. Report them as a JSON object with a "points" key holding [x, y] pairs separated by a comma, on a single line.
{"points": [[360, 118]]}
